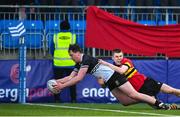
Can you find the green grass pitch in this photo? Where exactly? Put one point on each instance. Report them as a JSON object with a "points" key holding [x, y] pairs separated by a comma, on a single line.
{"points": [[80, 109]]}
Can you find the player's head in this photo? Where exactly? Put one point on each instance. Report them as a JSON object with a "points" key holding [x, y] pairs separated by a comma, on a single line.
{"points": [[75, 52], [64, 25], [117, 56]]}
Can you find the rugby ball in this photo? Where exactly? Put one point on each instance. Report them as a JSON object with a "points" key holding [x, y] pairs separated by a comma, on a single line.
{"points": [[50, 87]]}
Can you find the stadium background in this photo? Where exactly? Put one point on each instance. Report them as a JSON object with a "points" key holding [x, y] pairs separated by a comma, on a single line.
{"points": [[42, 21]]}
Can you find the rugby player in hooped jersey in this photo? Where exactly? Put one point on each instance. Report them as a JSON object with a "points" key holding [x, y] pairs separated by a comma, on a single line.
{"points": [[140, 82], [115, 81]]}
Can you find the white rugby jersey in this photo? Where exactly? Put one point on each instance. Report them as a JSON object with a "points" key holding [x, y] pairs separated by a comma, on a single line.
{"points": [[94, 68]]}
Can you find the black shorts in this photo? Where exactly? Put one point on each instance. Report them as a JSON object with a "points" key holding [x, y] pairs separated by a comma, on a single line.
{"points": [[116, 80], [150, 87]]}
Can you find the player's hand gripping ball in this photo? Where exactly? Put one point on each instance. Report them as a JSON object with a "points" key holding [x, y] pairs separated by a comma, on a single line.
{"points": [[50, 84]]}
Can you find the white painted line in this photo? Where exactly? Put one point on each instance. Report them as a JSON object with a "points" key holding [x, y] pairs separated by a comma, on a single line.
{"points": [[96, 109]]}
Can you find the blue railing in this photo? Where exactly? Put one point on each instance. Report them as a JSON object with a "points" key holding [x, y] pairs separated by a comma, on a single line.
{"points": [[42, 24]]}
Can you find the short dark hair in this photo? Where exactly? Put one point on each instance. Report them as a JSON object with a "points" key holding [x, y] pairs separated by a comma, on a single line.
{"points": [[74, 48], [64, 25], [116, 51]]}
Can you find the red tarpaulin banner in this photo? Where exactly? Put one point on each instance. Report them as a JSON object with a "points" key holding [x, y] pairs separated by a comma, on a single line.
{"points": [[106, 31]]}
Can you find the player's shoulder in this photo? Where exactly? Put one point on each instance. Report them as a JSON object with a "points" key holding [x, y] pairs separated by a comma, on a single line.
{"points": [[126, 60], [88, 58]]}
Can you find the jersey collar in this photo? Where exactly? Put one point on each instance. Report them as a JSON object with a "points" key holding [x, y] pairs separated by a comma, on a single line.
{"points": [[82, 57], [116, 64]]}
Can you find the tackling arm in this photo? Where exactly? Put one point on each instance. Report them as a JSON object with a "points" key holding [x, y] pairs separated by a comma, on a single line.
{"points": [[120, 70]]}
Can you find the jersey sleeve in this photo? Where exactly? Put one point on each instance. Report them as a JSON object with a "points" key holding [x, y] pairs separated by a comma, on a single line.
{"points": [[128, 63], [76, 68], [85, 63]]}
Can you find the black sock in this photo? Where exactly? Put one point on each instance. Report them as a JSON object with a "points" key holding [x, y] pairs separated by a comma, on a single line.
{"points": [[157, 103], [161, 105]]}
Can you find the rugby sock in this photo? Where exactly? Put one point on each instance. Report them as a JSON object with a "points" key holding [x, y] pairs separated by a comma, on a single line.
{"points": [[157, 103], [161, 105]]}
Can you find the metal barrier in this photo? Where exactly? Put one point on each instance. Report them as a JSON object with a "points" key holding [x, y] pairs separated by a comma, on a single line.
{"points": [[149, 15]]}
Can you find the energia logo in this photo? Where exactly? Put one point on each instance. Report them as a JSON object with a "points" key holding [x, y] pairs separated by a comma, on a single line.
{"points": [[12, 94], [98, 92]]}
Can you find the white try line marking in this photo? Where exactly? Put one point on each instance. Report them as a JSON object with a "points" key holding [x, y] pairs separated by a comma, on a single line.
{"points": [[96, 109]]}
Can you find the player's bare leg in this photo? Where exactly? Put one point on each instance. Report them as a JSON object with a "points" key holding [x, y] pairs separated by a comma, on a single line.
{"points": [[123, 98], [127, 89], [170, 90]]}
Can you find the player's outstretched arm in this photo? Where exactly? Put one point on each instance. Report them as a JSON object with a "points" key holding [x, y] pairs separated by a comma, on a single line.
{"points": [[80, 75], [67, 78]]}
